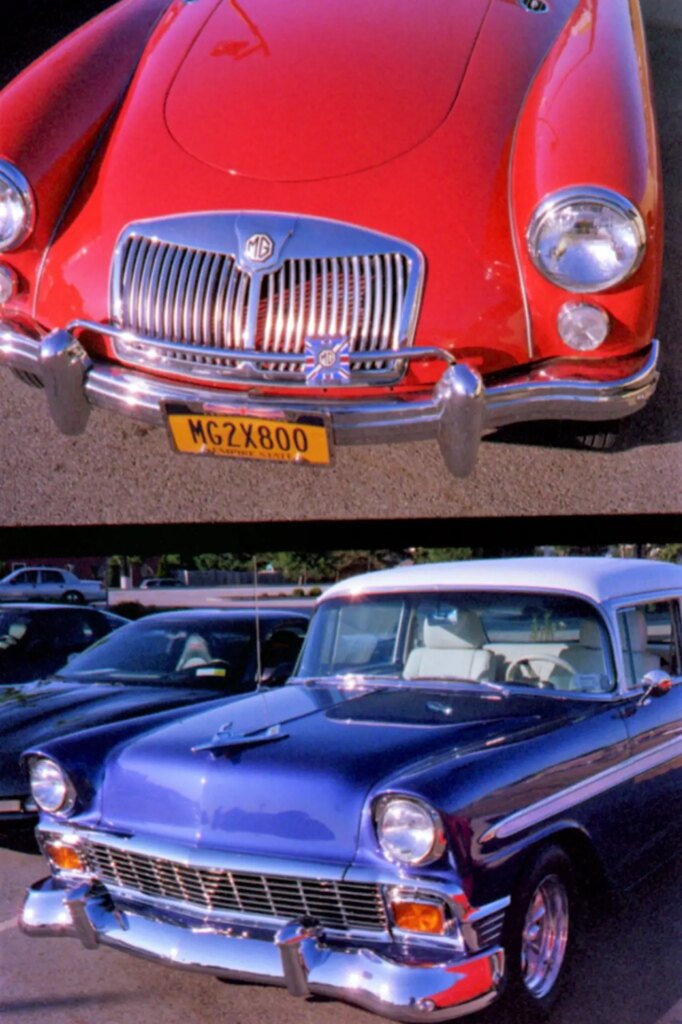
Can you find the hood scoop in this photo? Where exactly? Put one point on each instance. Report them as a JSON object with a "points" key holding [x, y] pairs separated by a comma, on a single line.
{"points": [[225, 742]]}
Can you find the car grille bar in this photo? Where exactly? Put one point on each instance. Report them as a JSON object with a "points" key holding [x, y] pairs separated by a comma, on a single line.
{"points": [[211, 308], [344, 905], [170, 291]]}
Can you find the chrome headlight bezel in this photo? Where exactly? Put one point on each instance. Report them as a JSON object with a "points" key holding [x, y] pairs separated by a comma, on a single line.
{"points": [[47, 777], [587, 196], [22, 196], [426, 850]]}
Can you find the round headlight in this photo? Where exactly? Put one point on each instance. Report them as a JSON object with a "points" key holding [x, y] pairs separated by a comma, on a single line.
{"points": [[586, 240], [16, 206], [51, 788], [408, 830]]}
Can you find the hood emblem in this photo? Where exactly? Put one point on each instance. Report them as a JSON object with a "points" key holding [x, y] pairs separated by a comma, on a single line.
{"points": [[259, 248], [535, 6]]}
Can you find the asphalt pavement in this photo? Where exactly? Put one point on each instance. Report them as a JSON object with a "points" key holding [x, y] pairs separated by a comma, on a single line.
{"points": [[122, 472]]}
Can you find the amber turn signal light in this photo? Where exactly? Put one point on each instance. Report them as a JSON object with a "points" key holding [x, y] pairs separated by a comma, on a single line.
{"points": [[66, 858], [419, 917]]}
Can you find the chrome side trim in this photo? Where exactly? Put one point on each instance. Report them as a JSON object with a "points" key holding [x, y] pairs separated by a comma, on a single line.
{"points": [[567, 798]]}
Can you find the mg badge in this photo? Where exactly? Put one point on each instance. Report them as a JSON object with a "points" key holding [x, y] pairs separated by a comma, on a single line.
{"points": [[259, 248], [327, 361]]}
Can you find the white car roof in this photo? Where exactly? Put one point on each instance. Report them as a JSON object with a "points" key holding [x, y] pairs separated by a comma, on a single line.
{"points": [[600, 579]]}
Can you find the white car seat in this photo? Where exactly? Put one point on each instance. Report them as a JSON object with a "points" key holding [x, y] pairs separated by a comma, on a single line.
{"points": [[451, 650]]}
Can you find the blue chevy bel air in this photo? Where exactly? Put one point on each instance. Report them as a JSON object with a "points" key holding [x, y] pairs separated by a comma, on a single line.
{"points": [[464, 751]]}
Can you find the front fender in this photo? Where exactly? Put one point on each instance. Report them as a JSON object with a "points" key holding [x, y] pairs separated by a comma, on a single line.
{"points": [[53, 114], [588, 119]]}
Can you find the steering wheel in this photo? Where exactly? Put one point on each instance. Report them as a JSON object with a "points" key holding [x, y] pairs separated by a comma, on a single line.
{"points": [[528, 662]]}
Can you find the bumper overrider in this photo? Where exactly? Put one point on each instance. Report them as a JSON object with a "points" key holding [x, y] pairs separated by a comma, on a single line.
{"points": [[405, 979], [456, 412]]}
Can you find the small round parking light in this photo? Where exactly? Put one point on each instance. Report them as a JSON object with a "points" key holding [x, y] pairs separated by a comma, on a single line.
{"points": [[582, 326]]}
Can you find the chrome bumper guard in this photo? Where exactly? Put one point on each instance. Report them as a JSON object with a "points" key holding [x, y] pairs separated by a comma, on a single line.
{"points": [[456, 412], [295, 956]]}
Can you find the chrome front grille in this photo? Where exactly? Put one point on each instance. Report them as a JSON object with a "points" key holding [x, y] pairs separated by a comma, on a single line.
{"points": [[343, 905], [489, 929], [192, 310], [182, 294]]}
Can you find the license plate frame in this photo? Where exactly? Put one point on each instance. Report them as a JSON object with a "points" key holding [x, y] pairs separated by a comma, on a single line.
{"points": [[296, 437]]}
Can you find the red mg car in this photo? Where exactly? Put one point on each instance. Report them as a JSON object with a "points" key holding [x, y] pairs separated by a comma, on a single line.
{"points": [[276, 228]]}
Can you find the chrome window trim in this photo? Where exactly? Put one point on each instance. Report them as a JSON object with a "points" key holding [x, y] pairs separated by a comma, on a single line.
{"points": [[615, 605], [586, 789]]}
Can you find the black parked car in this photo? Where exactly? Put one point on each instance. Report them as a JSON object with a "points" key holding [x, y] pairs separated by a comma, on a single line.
{"points": [[37, 639], [156, 664]]}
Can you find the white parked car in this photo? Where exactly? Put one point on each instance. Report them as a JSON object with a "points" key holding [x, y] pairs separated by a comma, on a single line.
{"points": [[43, 583]]}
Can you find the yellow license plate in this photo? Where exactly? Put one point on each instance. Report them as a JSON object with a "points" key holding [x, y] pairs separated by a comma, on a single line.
{"points": [[249, 437]]}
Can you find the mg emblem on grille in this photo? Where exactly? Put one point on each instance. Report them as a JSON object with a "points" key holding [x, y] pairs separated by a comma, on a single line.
{"points": [[259, 248]]}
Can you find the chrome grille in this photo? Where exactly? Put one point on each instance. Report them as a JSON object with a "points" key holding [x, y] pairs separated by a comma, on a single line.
{"points": [[191, 309], [183, 294], [489, 929], [344, 905]]}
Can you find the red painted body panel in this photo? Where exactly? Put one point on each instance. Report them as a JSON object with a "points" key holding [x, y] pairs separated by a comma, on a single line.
{"points": [[592, 127], [520, 93], [52, 115], [303, 91]]}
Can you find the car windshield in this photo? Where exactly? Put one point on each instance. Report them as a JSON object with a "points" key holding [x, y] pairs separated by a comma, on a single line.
{"points": [[549, 641], [204, 652]]}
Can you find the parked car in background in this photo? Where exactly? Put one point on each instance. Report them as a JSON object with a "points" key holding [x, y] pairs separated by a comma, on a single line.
{"points": [[44, 583], [458, 229], [155, 582], [408, 823], [38, 639], [164, 661]]}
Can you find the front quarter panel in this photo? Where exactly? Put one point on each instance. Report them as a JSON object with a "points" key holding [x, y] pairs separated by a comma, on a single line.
{"points": [[589, 120], [52, 115], [477, 792]]}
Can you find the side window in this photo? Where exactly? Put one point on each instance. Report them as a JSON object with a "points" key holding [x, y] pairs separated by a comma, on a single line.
{"points": [[282, 647], [52, 576], [69, 632], [649, 639], [27, 576], [95, 626]]}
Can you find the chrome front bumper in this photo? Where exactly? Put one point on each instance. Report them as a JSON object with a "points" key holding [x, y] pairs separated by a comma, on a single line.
{"points": [[456, 412], [395, 984]]}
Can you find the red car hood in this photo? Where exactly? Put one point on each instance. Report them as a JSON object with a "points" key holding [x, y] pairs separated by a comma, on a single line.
{"points": [[301, 90]]}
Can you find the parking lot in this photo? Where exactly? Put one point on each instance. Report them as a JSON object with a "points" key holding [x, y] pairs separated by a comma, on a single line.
{"points": [[627, 971]]}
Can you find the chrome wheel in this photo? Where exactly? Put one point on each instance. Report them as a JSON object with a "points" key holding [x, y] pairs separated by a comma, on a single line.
{"points": [[544, 936]]}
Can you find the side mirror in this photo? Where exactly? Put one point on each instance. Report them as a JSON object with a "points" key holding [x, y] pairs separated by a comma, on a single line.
{"points": [[656, 683]]}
